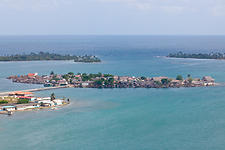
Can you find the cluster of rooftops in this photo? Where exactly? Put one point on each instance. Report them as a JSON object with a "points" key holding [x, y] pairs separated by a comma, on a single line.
{"points": [[33, 102], [111, 81]]}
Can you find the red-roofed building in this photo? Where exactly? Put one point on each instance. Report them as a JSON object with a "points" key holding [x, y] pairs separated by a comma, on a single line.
{"points": [[78, 76], [27, 97], [32, 74], [20, 93]]}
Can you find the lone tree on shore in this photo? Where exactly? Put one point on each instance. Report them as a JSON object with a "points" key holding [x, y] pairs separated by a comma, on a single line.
{"points": [[52, 73], [190, 80], [52, 96], [71, 73], [179, 77]]}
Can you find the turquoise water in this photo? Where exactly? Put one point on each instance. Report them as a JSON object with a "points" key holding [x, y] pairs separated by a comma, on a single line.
{"points": [[118, 119]]}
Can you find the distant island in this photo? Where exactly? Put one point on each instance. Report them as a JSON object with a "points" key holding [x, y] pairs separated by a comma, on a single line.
{"points": [[49, 56], [99, 80], [198, 56]]}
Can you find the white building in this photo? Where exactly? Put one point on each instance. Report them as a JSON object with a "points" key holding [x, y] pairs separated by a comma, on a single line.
{"points": [[58, 101]]}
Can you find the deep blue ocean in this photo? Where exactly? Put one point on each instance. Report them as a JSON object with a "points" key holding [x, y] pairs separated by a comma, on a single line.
{"points": [[119, 119]]}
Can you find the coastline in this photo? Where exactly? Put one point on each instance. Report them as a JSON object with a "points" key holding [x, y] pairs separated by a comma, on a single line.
{"points": [[14, 61], [32, 109], [211, 55], [99, 80], [49, 56], [25, 100], [165, 57], [34, 90]]}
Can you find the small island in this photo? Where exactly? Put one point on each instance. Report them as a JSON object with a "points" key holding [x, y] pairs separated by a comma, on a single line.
{"points": [[49, 56], [198, 56], [99, 80], [21, 101]]}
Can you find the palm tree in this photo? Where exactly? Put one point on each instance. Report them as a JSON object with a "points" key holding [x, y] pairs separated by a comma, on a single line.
{"points": [[52, 73], [52, 96]]}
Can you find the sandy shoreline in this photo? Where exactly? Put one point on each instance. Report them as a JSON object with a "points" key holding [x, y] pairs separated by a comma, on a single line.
{"points": [[32, 109], [34, 90]]}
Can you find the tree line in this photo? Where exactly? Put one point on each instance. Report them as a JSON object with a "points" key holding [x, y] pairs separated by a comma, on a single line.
{"points": [[198, 55], [49, 56]]}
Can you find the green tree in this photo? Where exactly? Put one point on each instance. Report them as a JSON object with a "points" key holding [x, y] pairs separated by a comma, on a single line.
{"points": [[71, 73], [52, 73], [85, 77], [98, 82], [3, 102], [84, 74], [108, 75], [190, 79], [157, 82], [52, 96], [66, 77], [56, 79], [165, 81], [42, 104], [99, 74], [179, 77], [143, 78], [23, 101], [111, 80]]}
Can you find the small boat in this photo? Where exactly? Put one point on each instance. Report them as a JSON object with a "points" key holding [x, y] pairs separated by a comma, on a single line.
{"points": [[10, 113]]}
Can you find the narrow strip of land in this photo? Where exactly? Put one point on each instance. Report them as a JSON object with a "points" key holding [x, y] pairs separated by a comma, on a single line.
{"points": [[49, 56], [33, 90], [99, 80], [220, 56]]}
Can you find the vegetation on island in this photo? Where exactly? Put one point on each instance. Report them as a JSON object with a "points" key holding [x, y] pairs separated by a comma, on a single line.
{"points": [[3, 101], [100, 80], [52, 96], [97, 79], [23, 101], [49, 56], [13, 100], [86, 59], [198, 55], [8, 99], [179, 77]]}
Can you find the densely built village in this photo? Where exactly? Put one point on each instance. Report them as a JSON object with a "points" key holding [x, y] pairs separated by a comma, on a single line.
{"points": [[21, 100], [99, 80]]}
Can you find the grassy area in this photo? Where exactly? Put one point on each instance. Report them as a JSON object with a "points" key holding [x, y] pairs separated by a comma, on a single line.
{"points": [[23, 101], [9, 99], [3, 102]]}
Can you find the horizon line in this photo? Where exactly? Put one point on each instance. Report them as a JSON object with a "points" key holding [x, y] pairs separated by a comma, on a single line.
{"points": [[112, 35]]}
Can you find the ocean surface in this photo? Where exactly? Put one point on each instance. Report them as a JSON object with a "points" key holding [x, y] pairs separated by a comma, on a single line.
{"points": [[119, 119]]}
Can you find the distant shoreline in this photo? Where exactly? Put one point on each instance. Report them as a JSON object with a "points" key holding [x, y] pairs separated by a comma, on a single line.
{"points": [[46, 56], [50, 61], [207, 56], [34, 90], [166, 57]]}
